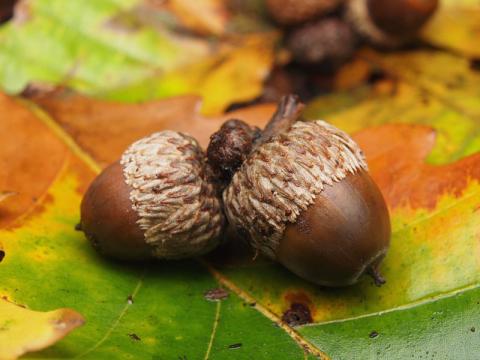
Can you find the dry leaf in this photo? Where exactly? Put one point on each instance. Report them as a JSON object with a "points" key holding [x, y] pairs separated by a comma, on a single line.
{"points": [[23, 330]]}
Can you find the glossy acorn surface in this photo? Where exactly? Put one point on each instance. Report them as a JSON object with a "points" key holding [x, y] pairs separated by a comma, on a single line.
{"points": [[400, 17], [342, 235], [108, 219]]}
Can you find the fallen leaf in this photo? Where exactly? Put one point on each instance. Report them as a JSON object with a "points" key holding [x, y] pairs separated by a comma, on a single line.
{"points": [[234, 75], [6, 194], [23, 330], [105, 129], [408, 180], [455, 26], [202, 16], [31, 159], [117, 51]]}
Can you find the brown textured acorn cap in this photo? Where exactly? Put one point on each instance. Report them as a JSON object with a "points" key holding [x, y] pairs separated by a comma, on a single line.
{"points": [[159, 201]]}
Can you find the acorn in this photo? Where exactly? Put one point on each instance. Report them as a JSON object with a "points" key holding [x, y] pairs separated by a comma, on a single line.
{"points": [[291, 12], [303, 197], [329, 42], [158, 201], [389, 23]]}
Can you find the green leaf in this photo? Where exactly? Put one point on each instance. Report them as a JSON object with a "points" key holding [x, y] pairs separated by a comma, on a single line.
{"points": [[455, 26], [445, 328], [121, 50]]}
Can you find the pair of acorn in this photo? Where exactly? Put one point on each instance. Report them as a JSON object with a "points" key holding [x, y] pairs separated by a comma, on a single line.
{"points": [[328, 31], [298, 191]]}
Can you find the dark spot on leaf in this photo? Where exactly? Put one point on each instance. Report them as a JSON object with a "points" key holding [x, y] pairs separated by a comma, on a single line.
{"points": [[216, 294], [298, 314], [252, 304], [2, 255], [450, 85], [235, 346], [134, 336], [376, 75], [475, 64], [472, 329], [130, 299], [78, 227], [373, 334]]}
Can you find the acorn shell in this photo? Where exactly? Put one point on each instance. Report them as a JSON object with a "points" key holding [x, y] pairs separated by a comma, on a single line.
{"points": [[310, 173], [345, 233], [291, 12], [391, 23], [158, 201]]}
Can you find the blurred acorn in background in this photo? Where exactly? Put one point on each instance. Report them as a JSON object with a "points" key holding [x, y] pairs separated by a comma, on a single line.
{"points": [[291, 12], [389, 23]]}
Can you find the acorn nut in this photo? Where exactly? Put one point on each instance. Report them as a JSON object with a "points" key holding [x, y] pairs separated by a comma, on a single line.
{"points": [[157, 201], [291, 12], [304, 197], [389, 23], [329, 42]]}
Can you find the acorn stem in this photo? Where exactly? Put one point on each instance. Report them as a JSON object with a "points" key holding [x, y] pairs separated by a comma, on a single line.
{"points": [[229, 147], [235, 140], [378, 279], [288, 112]]}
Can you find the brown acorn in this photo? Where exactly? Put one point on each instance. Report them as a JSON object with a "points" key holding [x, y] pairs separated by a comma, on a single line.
{"points": [[389, 23], [291, 12], [303, 197], [157, 201], [328, 41]]}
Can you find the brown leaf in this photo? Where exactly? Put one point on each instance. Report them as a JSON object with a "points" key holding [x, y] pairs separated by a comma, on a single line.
{"points": [[105, 129], [31, 157], [396, 155]]}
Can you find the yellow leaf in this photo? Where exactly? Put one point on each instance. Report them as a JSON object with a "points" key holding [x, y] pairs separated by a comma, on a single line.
{"points": [[455, 26], [239, 76], [201, 16], [23, 330]]}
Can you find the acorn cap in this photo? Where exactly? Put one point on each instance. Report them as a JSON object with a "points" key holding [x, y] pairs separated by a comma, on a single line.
{"points": [[172, 201], [284, 175]]}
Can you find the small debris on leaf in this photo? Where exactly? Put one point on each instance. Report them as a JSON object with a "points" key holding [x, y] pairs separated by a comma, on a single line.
{"points": [[235, 346], [475, 64], [298, 314], [130, 299], [2, 255], [472, 329], [216, 294], [134, 336], [373, 334]]}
